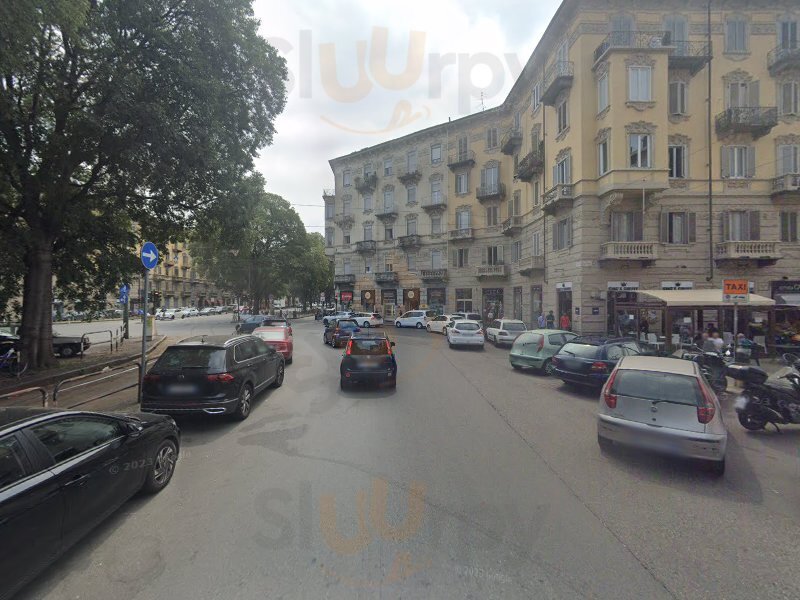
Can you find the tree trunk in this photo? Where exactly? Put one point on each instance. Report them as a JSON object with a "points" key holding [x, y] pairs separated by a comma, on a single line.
{"points": [[36, 332]]}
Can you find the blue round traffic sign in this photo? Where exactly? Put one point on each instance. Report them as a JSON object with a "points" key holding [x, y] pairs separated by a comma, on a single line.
{"points": [[149, 255]]}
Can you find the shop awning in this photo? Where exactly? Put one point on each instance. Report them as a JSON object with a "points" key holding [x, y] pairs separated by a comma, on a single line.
{"points": [[790, 299], [702, 298]]}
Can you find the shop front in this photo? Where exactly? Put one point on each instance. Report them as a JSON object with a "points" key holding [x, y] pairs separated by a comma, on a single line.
{"points": [[464, 300], [786, 294], [389, 302], [437, 299], [623, 314], [536, 304], [411, 298], [563, 301], [492, 304], [368, 300], [346, 299]]}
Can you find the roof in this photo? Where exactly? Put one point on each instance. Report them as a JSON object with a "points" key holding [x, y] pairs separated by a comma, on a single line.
{"points": [[599, 339], [462, 321], [209, 340], [660, 364], [549, 331], [15, 414], [712, 297]]}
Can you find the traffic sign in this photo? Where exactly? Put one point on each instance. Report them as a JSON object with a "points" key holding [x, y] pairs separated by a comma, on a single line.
{"points": [[149, 255], [736, 290]]}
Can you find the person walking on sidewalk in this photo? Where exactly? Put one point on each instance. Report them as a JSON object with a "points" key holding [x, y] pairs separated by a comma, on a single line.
{"points": [[542, 322], [551, 320], [565, 323]]}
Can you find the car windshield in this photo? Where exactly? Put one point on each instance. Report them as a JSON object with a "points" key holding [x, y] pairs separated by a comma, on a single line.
{"points": [[346, 325], [514, 326], [528, 339], [579, 350], [467, 326], [659, 387], [191, 357], [369, 347], [270, 335], [256, 319]]}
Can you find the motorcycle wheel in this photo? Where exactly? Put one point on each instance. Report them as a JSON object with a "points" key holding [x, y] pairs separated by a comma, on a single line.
{"points": [[751, 420]]}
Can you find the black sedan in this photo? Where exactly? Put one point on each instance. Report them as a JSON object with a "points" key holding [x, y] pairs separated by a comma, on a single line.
{"points": [[369, 358], [212, 375], [63, 472], [249, 324]]}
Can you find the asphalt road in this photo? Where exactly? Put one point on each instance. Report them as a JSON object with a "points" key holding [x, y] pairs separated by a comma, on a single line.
{"points": [[470, 480]]}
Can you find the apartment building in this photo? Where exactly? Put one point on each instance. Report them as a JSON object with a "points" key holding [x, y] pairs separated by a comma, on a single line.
{"points": [[591, 180]]}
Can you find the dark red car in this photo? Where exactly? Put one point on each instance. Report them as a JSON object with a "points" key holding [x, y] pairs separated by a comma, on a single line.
{"points": [[279, 338]]}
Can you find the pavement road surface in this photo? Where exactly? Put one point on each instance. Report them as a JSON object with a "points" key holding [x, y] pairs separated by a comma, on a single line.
{"points": [[470, 480]]}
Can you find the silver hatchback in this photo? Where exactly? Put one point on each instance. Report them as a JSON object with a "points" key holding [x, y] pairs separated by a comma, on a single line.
{"points": [[662, 405]]}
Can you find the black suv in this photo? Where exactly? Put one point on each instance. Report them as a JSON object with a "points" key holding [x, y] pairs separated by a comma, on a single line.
{"points": [[589, 360], [212, 375], [368, 358]]}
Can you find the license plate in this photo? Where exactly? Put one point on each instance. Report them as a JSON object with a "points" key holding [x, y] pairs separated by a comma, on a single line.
{"points": [[182, 388]]}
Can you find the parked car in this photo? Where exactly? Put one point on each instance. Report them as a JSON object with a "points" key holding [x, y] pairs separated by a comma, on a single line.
{"points": [[504, 331], [342, 314], [368, 359], [167, 314], [414, 318], [338, 332], [270, 321], [368, 319], [63, 472], [189, 312], [67, 346], [208, 310], [465, 333], [249, 324], [440, 323], [536, 348], [589, 360], [279, 338], [662, 405], [220, 310], [212, 375], [469, 316]]}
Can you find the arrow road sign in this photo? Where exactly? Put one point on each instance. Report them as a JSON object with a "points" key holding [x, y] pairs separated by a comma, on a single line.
{"points": [[149, 255]]}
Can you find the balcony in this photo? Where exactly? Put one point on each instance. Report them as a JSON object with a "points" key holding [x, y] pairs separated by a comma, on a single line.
{"points": [[386, 277], [632, 40], [366, 184], [366, 247], [531, 165], [486, 271], [465, 158], [495, 191], [556, 196], [344, 220], [342, 279], [512, 225], [690, 56], [436, 203], [328, 194], [763, 253], [433, 274], [410, 177], [530, 265], [386, 213], [409, 241], [511, 140], [757, 121], [786, 186], [646, 252], [779, 59], [465, 233], [557, 78]]}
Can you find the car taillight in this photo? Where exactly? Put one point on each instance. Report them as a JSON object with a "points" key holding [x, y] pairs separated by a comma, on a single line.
{"points": [[151, 378], [221, 377], [599, 367], [349, 348], [611, 399], [707, 411]]}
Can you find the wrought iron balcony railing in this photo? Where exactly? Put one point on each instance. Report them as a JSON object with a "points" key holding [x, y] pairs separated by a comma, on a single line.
{"points": [[464, 158], [755, 120], [495, 191], [632, 40], [557, 78]]}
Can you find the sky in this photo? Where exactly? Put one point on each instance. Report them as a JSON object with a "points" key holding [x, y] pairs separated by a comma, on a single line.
{"points": [[365, 72]]}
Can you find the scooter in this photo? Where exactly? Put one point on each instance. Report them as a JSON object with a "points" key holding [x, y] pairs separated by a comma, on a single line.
{"points": [[767, 399], [713, 365]]}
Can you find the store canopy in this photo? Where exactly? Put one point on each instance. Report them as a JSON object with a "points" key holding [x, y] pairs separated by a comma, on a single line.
{"points": [[789, 299], [696, 298]]}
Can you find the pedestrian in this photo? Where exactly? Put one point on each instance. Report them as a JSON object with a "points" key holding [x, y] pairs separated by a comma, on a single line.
{"points": [[551, 320], [541, 320], [564, 322], [717, 341], [644, 326]]}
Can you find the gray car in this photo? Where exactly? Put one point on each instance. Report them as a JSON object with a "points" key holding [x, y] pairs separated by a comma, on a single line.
{"points": [[662, 405]]}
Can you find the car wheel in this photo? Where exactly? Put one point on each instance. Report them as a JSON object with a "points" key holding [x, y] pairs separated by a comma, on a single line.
{"points": [[547, 367], [245, 403], [163, 467], [279, 377], [289, 360], [419, 325], [428, 327], [397, 324], [66, 352], [605, 445], [366, 324]]}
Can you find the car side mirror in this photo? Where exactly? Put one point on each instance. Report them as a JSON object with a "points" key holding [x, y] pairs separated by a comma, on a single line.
{"points": [[392, 344]]}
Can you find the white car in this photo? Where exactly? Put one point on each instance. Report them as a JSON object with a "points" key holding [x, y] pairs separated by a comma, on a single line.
{"points": [[189, 312], [167, 314], [413, 318], [208, 310], [342, 314], [367, 319], [465, 333], [504, 331], [441, 323]]}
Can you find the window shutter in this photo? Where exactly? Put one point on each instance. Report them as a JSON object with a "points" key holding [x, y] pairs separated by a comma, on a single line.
{"points": [[691, 227], [569, 170], [483, 177], [615, 218], [726, 226], [752, 93], [569, 232], [466, 257], [673, 98], [638, 227], [555, 236], [724, 162], [792, 226], [755, 225], [484, 255], [751, 161], [663, 227], [501, 256], [784, 159], [454, 258]]}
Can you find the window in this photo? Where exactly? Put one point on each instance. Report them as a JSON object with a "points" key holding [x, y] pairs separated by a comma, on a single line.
{"points": [[463, 218], [491, 137], [562, 121], [436, 154], [742, 94], [436, 223], [536, 193], [411, 262], [602, 93], [562, 52], [388, 233], [463, 300], [678, 30], [411, 161], [387, 166], [490, 179], [677, 98], [346, 205], [741, 225], [677, 228], [738, 161], [494, 255], [536, 95], [368, 169], [388, 200], [639, 84], [788, 159], [329, 210], [626, 226], [411, 194], [65, 438], [515, 206], [436, 259], [789, 98], [622, 23], [787, 34], [639, 145], [462, 183], [788, 227], [387, 263], [346, 178], [562, 234], [602, 157], [411, 226], [463, 147], [367, 202], [368, 265], [329, 237], [346, 238], [736, 35], [461, 257], [13, 463], [561, 171], [367, 231], [436, 191], [536, 244], [516, 251], [347, 267], [492, 213], [677, 161]]}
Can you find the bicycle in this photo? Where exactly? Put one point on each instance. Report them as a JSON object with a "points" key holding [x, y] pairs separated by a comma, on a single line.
{"points": [[11, 363]]}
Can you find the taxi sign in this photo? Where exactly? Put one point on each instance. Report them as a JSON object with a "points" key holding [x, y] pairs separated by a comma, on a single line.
{"points": [[736, 290]]}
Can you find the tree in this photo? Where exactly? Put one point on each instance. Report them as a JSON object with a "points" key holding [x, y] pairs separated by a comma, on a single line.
{"points": [[312, 271], [118, 112]]}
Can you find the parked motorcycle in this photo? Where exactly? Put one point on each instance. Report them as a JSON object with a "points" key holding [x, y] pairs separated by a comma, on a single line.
{"points": [[713, 365], [766, 399]]}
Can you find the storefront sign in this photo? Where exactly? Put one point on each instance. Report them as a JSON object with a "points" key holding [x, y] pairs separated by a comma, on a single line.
{"points": [[623, 286], [564, 286], [368, 297], [677, 285], [347, 296], [736, 290]]}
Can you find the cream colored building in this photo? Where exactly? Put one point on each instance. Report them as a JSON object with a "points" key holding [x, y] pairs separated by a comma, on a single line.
{"points": [[591, 179]]}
